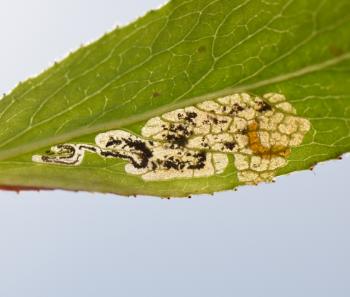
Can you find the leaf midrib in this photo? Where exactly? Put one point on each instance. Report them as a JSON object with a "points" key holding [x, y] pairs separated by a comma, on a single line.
{"points": [[29, 147]]}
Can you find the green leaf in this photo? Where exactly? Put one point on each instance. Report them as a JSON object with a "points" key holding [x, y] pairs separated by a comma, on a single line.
{"points": [[183, 54]]}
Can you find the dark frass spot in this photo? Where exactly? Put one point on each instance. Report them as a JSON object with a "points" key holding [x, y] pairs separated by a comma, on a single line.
{"points": [[230, 145], [154, 166], [169, 164], [139, 146], [263, 106], [178, 164], [88, 148], [177, 140], [174, 163], [145, 154], [178, 135], [180, 116], [113, 141], [244, 131], [215, 120], [201, 159], [236, 108], [66, 150], [190, 116]]}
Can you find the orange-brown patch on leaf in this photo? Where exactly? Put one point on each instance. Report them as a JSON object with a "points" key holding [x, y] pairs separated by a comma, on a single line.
{"points": [[263, 151]]}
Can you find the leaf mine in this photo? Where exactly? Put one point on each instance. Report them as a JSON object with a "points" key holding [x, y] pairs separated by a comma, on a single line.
{"points": [[195, 141]]}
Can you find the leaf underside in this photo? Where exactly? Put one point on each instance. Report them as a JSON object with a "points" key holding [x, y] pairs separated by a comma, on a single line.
{"points": [[185, 53]]}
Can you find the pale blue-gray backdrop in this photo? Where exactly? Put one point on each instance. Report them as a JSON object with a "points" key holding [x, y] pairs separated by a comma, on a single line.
{"points": [[285, 239]]}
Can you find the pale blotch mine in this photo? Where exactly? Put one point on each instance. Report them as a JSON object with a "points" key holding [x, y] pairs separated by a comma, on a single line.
{"points": [[195, 141]]}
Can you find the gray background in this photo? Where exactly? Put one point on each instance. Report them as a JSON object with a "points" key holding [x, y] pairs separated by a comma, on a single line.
{"points": [[285, 239]]}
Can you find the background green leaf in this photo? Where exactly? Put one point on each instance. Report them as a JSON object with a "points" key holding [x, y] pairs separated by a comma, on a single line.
{"points": [[186, 52]]}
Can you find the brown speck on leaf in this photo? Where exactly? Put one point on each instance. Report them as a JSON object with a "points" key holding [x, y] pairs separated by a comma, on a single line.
{"points": [[156, 94], [230, 145], [202, 49], [336, 51]]}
